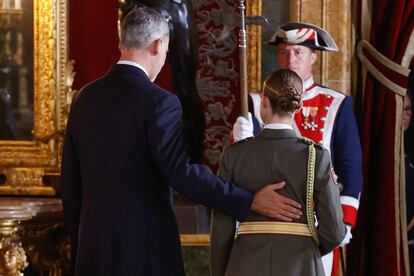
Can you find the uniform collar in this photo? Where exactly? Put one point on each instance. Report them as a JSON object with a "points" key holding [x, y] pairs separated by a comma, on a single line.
{"points": [[277, 126], [308, 84], [268, 133]]}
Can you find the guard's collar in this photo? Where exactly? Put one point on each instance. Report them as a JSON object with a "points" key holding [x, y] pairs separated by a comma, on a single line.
{"points": [[308, 84]]}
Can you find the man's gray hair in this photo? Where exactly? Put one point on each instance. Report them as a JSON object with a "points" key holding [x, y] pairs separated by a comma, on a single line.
{"points": [[142, 26]]}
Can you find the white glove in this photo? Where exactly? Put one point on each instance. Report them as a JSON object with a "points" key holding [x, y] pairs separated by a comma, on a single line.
{"points": [[243, 128], [348, 236]]}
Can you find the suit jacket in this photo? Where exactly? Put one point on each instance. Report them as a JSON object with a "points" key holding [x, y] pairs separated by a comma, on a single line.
{"points": [[276, 155], [123, 151]]}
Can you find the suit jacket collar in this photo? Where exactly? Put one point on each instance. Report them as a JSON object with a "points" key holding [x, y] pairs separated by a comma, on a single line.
{"points": [[127, 69], [277, 133]]}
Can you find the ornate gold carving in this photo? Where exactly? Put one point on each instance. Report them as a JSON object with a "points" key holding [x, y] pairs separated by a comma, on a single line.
{"points": [[63, 248], [43, 246], [44, 74], [254, 48], [42, 232], [12, 256], [24, 161], [69, 93], [65, 74], [25, 181]]}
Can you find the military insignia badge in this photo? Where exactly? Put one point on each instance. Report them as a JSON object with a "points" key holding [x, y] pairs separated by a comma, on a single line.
{"points": [[309, 117]]}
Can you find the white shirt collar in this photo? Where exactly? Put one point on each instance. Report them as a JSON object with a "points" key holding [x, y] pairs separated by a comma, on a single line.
{"points": [[128, 62], [308, 83], [278, 126]]}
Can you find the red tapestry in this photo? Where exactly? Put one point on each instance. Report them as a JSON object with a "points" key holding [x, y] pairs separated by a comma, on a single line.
{"points": [[217, 74]]}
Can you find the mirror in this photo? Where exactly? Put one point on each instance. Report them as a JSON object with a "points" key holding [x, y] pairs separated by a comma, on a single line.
{"points": [[261, 59], [16, 70], [34, 83], [277, 12]]}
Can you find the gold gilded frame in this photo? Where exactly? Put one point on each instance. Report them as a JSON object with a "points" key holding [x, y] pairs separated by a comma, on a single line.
{"points": [[254, 48], [24, 163]]}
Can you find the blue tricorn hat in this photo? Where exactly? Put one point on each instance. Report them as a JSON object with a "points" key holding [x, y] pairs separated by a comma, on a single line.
{"points": [[304, 34]]}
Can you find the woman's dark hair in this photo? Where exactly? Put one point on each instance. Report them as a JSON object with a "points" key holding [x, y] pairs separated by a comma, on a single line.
{"points": [[284, 89]]}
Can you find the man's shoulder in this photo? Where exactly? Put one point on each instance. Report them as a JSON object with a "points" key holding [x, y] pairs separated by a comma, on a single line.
{"points": [[91, 86], [141, 86], [138, 89]]}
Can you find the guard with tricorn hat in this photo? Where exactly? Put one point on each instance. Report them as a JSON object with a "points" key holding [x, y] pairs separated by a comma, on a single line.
{"points": [[304, 34], [326, 116]]}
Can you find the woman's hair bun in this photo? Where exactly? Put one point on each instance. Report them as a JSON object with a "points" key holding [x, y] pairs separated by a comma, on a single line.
{"points": [[284, 89]]}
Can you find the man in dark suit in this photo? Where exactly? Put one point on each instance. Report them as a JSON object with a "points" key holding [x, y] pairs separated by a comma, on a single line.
{"points": [[123, 151]]}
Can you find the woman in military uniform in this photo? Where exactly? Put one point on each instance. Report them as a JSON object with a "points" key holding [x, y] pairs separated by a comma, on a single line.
{"points": [[260, 246]]}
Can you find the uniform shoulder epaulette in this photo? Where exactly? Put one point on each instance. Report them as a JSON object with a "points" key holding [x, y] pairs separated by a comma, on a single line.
{"points": [[243, 141], [308, 141]]}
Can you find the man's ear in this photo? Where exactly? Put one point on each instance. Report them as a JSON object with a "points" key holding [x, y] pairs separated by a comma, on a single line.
{"points": [[314, 57], [156, 46]]}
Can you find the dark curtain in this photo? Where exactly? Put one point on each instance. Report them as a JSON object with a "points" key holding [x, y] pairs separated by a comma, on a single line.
{"points": [[377, 246], [93, 38]]}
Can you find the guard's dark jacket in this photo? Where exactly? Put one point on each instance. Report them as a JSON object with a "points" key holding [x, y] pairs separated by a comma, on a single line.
{"points": [[123, 151]]}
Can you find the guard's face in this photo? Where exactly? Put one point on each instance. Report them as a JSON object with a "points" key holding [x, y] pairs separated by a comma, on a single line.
{"points": [[297, 58]]}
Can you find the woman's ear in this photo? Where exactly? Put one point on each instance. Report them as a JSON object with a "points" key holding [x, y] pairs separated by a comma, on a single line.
{"points": [[265, 101]]}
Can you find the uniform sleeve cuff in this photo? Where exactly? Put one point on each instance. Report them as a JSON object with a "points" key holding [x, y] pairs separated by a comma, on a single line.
{"points": [[350, 209]]}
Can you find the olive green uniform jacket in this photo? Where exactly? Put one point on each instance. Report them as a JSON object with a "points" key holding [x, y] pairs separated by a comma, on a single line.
{"points": [[276, 155]]}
